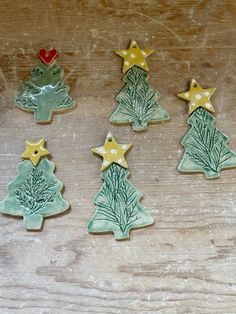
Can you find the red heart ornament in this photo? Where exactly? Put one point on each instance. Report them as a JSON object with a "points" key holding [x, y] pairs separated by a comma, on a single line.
{"points": [[48, 56]]}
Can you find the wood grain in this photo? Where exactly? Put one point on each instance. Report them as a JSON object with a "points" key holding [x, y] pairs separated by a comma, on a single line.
{"points": [[186, 262]]}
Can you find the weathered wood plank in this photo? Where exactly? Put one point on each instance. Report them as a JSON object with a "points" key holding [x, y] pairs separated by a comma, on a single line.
{"points": [[186, 262]]}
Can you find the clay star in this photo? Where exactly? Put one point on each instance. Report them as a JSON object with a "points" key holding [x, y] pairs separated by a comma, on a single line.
{"points": [[198, 97], [112, 152], [134, 56], [34, 151]]}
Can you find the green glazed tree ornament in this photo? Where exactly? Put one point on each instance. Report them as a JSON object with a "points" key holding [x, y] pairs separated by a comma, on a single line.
{"points": [[117, 203], [206, 148], [36, 192], [46, 92], [138, 101]]}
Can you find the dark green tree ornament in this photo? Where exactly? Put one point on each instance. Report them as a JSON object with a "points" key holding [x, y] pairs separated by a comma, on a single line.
{"points": [[138, 101], [36, 192], [206, 148], [117, 203], [46, 92]]}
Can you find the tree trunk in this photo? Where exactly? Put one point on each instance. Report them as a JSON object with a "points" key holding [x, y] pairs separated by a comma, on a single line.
{"points": [[33, 222]]}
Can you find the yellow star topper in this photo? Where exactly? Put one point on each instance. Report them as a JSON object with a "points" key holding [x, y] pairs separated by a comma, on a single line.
{"points": [[198, 97], [112, 152], [34, 151], [134, 56]]}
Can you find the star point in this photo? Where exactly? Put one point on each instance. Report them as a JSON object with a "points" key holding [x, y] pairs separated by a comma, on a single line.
{"points": [[198, 97], [34, 151], [134, 56], [112, 152]]}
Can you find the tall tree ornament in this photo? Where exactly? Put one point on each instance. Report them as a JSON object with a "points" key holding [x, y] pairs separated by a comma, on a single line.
{"points": [[117, 203], [138, 101], [206, 148]]}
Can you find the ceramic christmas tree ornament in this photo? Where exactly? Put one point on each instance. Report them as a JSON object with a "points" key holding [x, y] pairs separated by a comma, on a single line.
{"points": [[117, 203], [36, 192], [46, 92], [206, 148], [138, 101]]}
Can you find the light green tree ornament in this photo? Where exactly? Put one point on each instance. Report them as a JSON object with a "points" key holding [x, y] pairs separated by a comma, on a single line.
{"points": [[46, 92], [138, 101], [117, 203], [206, 148], [36, 192]]}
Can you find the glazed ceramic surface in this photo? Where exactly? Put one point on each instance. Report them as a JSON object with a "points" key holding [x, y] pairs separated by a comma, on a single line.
{"points": [[34, 194], [117, 205], [206, 148], [45, 93], [138, 102]]}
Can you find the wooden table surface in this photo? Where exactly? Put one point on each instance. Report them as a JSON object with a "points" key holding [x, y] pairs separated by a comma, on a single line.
{"points": [[186, 262]]}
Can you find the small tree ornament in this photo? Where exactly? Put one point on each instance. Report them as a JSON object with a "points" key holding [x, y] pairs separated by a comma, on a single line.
{"points": [[206, 148], [138, 101], [45, 92], [36, 192], [117, 203]]}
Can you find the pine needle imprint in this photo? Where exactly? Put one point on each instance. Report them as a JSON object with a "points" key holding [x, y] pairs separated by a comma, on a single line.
{"points": [[35, 193], [208, 148], [120, 198], [138, 101]]}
